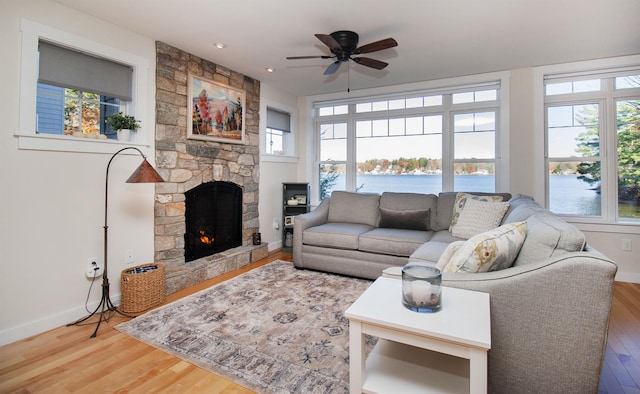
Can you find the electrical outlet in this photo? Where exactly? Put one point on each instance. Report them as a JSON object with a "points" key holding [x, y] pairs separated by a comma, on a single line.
{"points": [[626, 245], [94, 269], [276, 224], [128, 256]]}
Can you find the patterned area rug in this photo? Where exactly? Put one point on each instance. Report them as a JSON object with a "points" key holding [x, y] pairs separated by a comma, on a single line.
{"points": [[275, 329]]}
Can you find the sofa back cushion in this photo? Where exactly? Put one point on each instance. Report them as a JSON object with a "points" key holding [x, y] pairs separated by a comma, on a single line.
{"points": [[547, 234], [358, 208], [446, 202], [411, 211]]}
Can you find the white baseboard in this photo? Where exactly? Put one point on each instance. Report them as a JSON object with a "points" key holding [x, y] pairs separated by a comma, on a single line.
{"points": [[274, 246], [633, 277], [50, 322]]}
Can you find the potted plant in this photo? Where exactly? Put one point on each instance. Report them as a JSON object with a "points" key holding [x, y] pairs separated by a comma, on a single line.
{"points": [[123, 125]]}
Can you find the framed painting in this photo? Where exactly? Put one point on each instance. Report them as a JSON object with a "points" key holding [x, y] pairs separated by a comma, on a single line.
{"points": [[217, 111]]}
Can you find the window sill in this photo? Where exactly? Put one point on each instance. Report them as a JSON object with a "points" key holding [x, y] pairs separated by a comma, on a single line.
{"points": [[279, 158], [620, 228], [60, 143]]}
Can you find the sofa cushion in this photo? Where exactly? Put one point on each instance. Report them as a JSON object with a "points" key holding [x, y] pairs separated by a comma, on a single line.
{"points": [[448, 254], [478, 216], [446, 201], [429, 252], [489, 251], [460, 202], [397, 242], [548, 235], [408, 219], [411, 201], [335, 235], [359, 208]]}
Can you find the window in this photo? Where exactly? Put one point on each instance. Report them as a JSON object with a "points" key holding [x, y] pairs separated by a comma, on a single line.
{"points": [[81, 90], [424, 143], [278, 127], [333, 158], [593, 144], [70, 83], [68, 111]]}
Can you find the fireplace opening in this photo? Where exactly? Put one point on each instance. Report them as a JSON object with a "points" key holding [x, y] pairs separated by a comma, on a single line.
{"points": [[213, 219]]}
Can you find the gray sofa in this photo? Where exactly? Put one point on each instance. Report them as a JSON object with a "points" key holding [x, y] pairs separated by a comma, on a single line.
{"points": [[549, 311]]}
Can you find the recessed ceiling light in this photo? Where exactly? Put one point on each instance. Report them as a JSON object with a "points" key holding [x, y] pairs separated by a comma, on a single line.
{"points": [[220, 45], [270, 69]]}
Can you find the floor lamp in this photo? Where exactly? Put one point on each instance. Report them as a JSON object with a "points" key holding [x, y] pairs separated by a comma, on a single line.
{"points": [[145, 173]]}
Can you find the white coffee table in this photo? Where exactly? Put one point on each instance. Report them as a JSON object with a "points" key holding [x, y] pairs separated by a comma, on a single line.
{"points": [[442, 352]]}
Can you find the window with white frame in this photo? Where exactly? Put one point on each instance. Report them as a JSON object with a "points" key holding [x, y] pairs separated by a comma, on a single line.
{"points": [[444, 140], [593, 144], [77, 92], [278, 132], [70, 85]]}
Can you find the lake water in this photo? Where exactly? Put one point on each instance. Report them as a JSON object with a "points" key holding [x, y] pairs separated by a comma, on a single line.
{"points": [[569, 195]]}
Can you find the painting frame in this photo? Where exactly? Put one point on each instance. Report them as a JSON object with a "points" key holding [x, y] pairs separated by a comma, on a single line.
{"points": [[217, 111]]}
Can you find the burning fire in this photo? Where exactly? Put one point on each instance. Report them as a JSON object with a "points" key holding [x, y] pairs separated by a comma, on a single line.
{"points": [[205, 239]]}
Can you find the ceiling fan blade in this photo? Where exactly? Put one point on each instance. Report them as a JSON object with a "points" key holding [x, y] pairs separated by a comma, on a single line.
{"points": [[333, 67], [373, 63], [309, 57], [329, 41], [377, 46]]}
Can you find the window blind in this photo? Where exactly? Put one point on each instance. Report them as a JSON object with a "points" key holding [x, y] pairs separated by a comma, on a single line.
{"points": [[76, 70], [278, 120]]}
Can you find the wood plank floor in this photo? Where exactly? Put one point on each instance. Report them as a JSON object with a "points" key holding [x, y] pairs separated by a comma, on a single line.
{"points": [[66, 360]]}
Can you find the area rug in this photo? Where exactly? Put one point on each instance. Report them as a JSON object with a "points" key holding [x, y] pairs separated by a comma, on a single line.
{"points": [[275, 329]]}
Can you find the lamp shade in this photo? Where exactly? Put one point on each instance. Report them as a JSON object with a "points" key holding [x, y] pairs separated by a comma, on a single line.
{"points": [[145, 173]]}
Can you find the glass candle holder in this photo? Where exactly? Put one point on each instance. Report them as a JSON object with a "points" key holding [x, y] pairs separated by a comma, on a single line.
{"points": [[421, 287]]}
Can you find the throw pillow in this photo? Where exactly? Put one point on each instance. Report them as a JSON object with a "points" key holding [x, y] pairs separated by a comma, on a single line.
{"points": [[477, 217], [448, 254], [492, 250], [461, 200], [409, 219]]}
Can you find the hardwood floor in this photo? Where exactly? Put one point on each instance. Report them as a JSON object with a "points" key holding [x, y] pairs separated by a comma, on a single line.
{"points": [[66, 360], [621, 370]]}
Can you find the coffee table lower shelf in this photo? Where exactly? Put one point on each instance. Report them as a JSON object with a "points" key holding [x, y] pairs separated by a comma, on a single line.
{"points": [[394, 367]]}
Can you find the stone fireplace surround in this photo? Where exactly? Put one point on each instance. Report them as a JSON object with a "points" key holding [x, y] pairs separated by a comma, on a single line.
{"points": [[185, 164]]}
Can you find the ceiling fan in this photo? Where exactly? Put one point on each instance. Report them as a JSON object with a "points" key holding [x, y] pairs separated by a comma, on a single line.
{"points": [[343, 45]]}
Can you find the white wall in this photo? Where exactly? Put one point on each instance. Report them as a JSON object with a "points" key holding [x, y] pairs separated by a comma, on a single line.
{"points": [[275, 170], [52, 202]]}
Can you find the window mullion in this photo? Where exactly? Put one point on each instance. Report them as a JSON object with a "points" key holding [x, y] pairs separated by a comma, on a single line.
{"points": [[351, 152], [609, 157], [447, 144]]}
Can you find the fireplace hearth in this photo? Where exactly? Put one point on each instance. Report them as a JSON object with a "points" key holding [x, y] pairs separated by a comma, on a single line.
{"points": [[213, 216]]}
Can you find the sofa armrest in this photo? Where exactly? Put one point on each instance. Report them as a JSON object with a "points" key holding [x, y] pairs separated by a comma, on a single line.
{"points": [[310, 219], [549, 321]]}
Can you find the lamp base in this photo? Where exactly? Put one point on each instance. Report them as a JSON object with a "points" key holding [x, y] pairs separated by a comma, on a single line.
{"points": [[104, 310]]}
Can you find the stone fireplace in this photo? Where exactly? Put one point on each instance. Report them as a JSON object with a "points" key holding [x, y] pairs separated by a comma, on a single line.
{"points": [[187, 164]]}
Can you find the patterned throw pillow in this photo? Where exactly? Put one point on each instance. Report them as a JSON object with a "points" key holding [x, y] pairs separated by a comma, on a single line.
{"points": [[492, 250], [461, 199], [479, 216]]}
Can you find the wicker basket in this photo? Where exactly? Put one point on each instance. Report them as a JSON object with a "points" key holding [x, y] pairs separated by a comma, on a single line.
{"points": [[142, 290]]}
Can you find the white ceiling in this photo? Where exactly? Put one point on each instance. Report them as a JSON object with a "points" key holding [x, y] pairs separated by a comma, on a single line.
{"points": [[436, 38]]}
